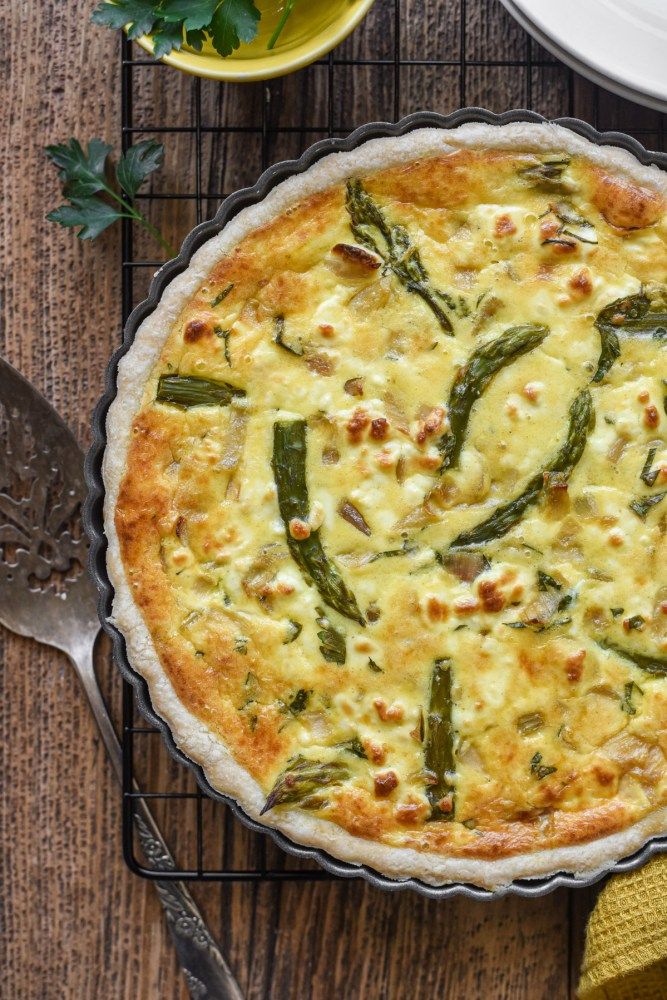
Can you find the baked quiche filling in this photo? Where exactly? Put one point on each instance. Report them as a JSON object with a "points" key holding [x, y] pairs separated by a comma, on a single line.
{"points": [[395, 505]]}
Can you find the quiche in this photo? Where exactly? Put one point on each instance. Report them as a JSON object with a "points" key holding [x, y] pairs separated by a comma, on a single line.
{"points": [[386, 503]]}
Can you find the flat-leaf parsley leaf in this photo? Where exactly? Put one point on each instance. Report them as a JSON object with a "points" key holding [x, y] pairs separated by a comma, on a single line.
{"points": [[234, 21], [170, 23], [137, 16], [83, 173]]}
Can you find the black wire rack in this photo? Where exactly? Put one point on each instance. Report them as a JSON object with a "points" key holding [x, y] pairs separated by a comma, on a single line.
{"points": [[408, 55]]}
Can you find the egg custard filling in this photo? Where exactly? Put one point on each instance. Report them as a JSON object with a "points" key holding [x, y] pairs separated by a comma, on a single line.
{"points": [[388, 513]]}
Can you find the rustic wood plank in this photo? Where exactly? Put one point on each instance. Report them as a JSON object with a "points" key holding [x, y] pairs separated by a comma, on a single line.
{"points": [[77, 924]]}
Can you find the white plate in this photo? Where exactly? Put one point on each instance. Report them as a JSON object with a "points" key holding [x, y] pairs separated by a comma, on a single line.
{"points": [[620, 44]]}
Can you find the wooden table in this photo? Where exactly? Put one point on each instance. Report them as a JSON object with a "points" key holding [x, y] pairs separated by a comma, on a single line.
{"points": [[76, 923]]}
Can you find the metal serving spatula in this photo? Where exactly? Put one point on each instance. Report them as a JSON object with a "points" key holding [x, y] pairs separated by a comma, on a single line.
{"points": [[46, 594]]}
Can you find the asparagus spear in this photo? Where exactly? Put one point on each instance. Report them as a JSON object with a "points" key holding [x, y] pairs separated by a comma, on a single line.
{"points": [[650, 664], [439, 748], [506, 516], [289, 470], [186, 391], [631, 315], [302, 779], [393, 244], [474, 378]]}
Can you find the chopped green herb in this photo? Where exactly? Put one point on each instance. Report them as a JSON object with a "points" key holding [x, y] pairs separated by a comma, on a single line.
{"points": [[557, 241], [539, 769], [221, 296], [635, 623], [224, 335], [332, 639], [643, 505], [297, 349], [241, 645], [419, 732], [299, 701], [559, 623], [617, 612], [372, 665], [566, 600], [579, 227], [408, 548], [647, 475], [546, 582], [628, 691], [293, 631], [353, 746]]}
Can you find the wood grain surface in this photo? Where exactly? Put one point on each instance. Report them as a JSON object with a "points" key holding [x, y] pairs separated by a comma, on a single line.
{"points": [[74, 922]]}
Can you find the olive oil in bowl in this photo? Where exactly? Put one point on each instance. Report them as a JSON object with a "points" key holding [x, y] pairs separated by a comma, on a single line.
{"points": [[308, 19], [313, 28]]}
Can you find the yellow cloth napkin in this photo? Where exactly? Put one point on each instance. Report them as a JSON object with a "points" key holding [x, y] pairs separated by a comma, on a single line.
{"points": [[626, 941]]}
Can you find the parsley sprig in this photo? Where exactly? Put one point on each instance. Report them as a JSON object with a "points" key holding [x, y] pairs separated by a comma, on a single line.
{"points": [[172, 23], [84, 177]]}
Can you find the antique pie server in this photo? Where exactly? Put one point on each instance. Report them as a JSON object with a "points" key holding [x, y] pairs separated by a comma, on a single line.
{"points": [[47, 595]]}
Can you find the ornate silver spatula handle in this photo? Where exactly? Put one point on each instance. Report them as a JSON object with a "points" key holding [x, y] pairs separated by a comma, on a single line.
{"points": [[46, 594]]}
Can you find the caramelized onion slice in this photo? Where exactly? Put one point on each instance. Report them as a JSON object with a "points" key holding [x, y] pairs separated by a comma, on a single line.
{"points": [[353, 516]]}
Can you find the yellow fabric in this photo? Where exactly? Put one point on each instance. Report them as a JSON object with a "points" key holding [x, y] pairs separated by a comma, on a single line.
{"points": [[626, 941]]}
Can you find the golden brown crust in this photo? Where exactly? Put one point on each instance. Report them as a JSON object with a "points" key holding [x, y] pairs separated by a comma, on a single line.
{"points": [[624, 204]]}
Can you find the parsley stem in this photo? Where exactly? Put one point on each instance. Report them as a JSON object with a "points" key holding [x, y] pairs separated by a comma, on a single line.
{"points": [[289, 7], [155, 232], [137, 216]]}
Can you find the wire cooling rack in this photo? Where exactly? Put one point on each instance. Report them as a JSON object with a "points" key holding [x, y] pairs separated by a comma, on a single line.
{"points": [[408, 55]]}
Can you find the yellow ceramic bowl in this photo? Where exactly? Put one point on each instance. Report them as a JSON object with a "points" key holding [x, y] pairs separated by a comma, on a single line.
{"points": [[314, 28]]}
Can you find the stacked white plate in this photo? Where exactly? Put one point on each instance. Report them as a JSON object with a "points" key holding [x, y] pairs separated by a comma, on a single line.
{"points": [[620, 44]]}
